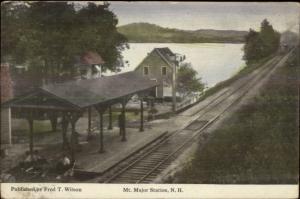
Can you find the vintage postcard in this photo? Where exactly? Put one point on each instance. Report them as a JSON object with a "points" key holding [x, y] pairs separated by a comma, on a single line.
{"points": [[148, 99]]}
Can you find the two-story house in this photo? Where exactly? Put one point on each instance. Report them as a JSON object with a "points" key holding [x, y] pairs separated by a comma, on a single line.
{"points": [[159, 66]]}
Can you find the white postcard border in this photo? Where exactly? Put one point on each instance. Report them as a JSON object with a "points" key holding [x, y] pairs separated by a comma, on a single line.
{"points": [[93, 191]]}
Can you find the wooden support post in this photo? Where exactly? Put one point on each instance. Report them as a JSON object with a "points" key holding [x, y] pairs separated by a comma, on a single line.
{"points": [[101, 150], [65, 124], [101, 111], [123, 122], [73, 118], [110, 118], [142, 116], [53, 121], [174, 100], [30, 121], [120, 124], [89, 122], [73, 123]]}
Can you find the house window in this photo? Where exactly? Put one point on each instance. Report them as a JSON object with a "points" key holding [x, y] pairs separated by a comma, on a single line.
{"points": [[146, 70], [164, 70]]}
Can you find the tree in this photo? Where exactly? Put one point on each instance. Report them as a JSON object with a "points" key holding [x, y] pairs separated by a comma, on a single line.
{"points": [[54, 33], [109, 42], [261, 44], [12, 26], [252, 47], [187, 81], [6, 83], [269, 37]]}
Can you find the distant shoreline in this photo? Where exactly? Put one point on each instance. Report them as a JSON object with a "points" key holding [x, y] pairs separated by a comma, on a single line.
{"points": [[151, 33]]}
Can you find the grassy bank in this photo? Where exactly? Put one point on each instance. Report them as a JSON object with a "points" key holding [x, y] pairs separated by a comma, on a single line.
{"points": [[259, 144], [246, 70]]}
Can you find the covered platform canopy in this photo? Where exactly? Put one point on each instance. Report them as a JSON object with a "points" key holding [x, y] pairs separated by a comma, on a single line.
{"points": [[70, 99]]}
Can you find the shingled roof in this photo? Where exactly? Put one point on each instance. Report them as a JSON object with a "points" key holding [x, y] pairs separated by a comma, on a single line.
{"points": [[85, 93], [91, 58], [165, 51]]}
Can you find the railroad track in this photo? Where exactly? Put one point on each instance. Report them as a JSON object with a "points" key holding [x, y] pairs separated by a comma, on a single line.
{"points": [[226, 92], [147, 165]]}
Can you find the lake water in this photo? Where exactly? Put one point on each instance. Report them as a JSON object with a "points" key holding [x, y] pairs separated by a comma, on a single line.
{"points": [[214, 62]]}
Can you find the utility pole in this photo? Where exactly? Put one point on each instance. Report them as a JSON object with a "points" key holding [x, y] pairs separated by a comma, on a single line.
{"points": [[174, 107]]}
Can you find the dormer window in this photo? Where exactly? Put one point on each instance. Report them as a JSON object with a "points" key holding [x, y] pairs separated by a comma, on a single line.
{"points": [[164, 70], [146, 70]]}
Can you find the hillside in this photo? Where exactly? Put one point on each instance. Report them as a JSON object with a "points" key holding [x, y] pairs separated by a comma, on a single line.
{"points": [[151, 33]]}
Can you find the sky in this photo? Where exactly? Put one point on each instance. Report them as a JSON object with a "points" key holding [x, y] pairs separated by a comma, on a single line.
{"points": [[210, 15]]}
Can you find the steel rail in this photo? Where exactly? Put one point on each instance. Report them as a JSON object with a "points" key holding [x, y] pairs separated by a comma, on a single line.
{"points": [[248, 85], [169, 155]]}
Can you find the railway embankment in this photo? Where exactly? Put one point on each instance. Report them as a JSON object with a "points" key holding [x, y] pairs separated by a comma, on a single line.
{"points": [[195, 123], [258, 144]]}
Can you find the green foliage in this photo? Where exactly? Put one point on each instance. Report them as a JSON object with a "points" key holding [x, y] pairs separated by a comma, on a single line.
{"points": [[150, 33], [261, 44], [187, 81], [253, 47], [12, 26], [258, 145], [49, 35], [269, 37]]}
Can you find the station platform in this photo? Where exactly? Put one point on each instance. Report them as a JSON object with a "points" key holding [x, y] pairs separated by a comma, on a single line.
{"points": [[89, 159]]}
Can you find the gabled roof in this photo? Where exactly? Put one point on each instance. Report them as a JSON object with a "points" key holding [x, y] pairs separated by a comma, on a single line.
{"points": [[165, 51], [165, 54], [91, 58], [42, 100], [85, 93]]}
